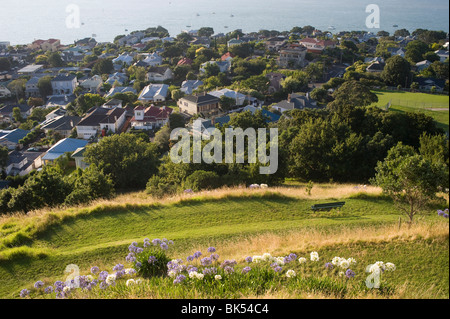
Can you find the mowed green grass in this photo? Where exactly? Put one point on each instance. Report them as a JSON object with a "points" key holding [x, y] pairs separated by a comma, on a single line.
{"points": [[101, 235], [417, 102]]}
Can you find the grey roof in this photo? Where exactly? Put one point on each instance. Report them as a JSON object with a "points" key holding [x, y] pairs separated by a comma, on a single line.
{"points": [[61, 99], [101, 115], [8, 109], [15, 136], [62, 123], [202, 99], [64, 78]]}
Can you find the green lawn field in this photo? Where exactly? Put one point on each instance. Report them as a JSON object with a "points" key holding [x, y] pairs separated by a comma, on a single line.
{"points": [[40, 247], [436, 106]]}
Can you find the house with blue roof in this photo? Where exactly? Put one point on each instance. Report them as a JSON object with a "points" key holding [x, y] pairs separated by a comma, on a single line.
{"points": [[67, 145], [10, 139]]}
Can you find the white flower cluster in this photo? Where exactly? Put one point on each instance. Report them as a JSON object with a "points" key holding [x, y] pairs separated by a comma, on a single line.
{"points": [[290, 273], [381, 266], [314, 256], [196, 275], [131, 282], [302, 260], [111, 279], [343, 262], [218, 277]]}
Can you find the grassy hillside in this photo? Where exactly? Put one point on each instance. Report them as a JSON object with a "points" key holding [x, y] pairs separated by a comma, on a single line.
{"points": [[239, 222], [436, 106]]}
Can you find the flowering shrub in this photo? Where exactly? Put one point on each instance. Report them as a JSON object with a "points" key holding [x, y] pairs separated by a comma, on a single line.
{"points": [[151, 259], [204, 272]]}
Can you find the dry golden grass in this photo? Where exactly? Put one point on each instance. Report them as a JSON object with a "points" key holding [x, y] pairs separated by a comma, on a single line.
{"points": [[304, 240]]}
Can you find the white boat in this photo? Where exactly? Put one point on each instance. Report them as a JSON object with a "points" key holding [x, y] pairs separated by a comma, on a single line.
{"points": [[331, 28]]}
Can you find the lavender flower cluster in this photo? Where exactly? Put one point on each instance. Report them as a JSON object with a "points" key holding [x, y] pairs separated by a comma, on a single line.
{"points": [[443, 213]]}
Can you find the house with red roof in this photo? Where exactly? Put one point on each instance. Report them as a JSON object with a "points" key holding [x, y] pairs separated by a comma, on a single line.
{"points": [[46, 45], [314, 45], [227, 56], [185, 61], [151, 117]]}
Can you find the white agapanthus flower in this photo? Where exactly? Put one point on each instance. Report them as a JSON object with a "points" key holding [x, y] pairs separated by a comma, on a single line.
{"points": [[90, 278], [218, 277], [130, 282], [139, 281], [314, 256], [111, 279], [267, 257], [336, 261], [344, 264], [352, 261], [66, 289], [390, 267], [381, 265], [257, 259], [290, 273], [172, 273], [341, 274], [302, 260]]}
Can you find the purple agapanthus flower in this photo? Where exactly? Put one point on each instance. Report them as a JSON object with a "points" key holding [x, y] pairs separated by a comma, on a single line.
{"points": [[24, 293], [48, 290], [39, 284], [277, 269], [249, 259], [152, 259], [95, 270], [246, 270], [211, 250], [197, 254], [164, 246], [102, 276], [206, 261], [228, 270], [214, 257], [190, 258], [179, 279], [329, 266], [118, 267], [349, 273]]}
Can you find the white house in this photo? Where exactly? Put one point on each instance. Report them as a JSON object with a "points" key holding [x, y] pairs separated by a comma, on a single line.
{"points": [[99, 119], [92, 84], [64, 84], [123, 58], [4, 92], [154, 93], [224, 66], [153, 59], [159, 74], [443, 54], [239, 98], [118, 77]]}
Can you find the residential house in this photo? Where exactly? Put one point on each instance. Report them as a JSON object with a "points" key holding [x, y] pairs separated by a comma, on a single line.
{"points": [[314, 45], [189, 86], [397, 51], [159, 74], [292, 56], [295, 101], [275, 81], [10, 139], [22, 163], [274, 44], [92, 84], [234, 42], [123, 58], [113, 103], [101, 120], [154, 93], [67, 145], [60, 100], [203, 41], [120, 89], [31, 87], [153, 59], [55, 113], [7, 111], [205, 103], [443, 54], [227, 56], [78, 155], [185, 61], [4, 92], [86, 42], [46, 45], [239, 98], [376, 67], [422, 65], [224, 66], [64, 84], [62, 125], [118, 77], [151, 117], [30, 69], [426, 84]]}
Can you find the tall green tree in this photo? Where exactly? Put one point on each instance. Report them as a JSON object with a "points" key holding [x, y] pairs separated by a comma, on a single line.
{"points": [[397, 71]]}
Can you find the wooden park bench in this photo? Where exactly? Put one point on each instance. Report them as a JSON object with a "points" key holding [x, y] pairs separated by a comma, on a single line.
{"points": [[327, 206]]}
